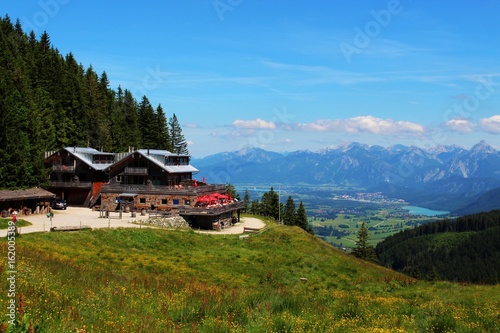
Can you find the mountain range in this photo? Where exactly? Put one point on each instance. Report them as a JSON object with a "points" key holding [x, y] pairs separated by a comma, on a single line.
{"points": [[442, 177]]}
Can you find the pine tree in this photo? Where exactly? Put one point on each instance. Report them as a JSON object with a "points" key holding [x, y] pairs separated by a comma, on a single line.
{"points": [[163, 135], [289, 213], [231, 190], [178, 142], [255, 207], [246, 201], [270, 204], [130, 111], [72, 129], [302, 219], [363, 249], [148, 124]]}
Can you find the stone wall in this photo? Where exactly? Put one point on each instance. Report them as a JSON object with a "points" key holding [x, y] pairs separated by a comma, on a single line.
{"points": [[148, 201]]}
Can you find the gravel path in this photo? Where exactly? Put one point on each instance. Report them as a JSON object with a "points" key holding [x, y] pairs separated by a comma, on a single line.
{"points": [[78, 216]]}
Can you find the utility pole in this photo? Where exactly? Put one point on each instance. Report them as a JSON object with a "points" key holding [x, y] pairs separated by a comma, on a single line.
{"points": [[279, 204]]}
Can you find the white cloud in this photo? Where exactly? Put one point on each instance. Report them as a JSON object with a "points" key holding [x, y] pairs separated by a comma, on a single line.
{"points": [[460, 125], [254, 124], [491, 124], [365, 124]]}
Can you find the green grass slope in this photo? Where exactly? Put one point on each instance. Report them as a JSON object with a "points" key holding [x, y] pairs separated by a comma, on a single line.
{"points": [[283, 280], [4, 223]]}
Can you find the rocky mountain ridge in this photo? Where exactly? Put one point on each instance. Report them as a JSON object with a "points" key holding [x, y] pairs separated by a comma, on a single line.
{"points": [[402, 171]]}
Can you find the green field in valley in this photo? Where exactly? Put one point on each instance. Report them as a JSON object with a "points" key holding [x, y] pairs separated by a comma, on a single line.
{"points": [[381, 222]]}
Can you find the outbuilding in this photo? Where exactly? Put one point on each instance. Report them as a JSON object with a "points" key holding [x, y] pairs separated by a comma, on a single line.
{"points": [[25, 202]]}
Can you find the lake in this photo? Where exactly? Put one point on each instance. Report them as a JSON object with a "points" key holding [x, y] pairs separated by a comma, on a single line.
{"points": [[415, 210]]}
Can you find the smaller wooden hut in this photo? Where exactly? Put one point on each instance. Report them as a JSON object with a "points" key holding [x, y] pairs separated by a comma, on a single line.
{"points": [[24, 202]]}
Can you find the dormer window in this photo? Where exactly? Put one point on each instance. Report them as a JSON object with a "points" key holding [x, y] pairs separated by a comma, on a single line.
{"points": [[102, 159], [176, 160]]}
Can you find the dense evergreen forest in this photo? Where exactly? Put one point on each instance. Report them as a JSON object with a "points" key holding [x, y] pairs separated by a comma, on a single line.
{"points": [[466, 249], [50, 101]]}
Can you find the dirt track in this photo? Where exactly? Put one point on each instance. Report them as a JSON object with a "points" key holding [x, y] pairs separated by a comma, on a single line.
{"points": [[76, 216]]}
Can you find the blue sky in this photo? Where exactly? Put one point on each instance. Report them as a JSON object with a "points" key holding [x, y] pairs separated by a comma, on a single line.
{"points": [[298, 75]]}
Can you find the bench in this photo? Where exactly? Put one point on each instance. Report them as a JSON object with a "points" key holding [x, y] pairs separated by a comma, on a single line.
{"points": [[248, 229], [71, 228]]}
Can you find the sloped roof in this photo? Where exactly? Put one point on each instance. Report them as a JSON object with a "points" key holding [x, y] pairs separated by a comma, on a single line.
{"points": [[31, 193], [85, 154], [158, 157]]}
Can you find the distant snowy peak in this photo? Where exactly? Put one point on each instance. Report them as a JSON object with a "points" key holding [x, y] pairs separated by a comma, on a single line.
{"points": [[482, 148], [440, 152], [440, 149]]}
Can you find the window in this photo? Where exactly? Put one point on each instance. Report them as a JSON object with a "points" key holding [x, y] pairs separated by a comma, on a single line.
{"points": [[155, 180], [164, 201], [175, 201], [187, 202], [142, 200]]}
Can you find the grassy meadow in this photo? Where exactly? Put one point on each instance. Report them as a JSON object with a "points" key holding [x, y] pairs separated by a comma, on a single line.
{"points": [[282, 280]]}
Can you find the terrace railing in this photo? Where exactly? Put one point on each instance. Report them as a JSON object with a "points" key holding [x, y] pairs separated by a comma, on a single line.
{"points": [[63, 168], [162, 189], [136, 171], [70, 184], [213, 210]]}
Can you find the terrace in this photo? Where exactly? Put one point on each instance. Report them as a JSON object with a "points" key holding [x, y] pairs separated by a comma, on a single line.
{"points": [[231, 207]]}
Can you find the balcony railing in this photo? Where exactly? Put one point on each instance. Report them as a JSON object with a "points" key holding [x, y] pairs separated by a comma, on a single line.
{"points": [[63, 168], [162, 189], [70, 184], [136, 171]]}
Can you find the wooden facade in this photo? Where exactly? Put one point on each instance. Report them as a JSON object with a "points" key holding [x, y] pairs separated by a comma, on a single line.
{"points": [[78, 173]]}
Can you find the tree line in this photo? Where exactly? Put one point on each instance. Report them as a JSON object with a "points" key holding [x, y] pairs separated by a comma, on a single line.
{"points": [[50, 101], [270, 205]]}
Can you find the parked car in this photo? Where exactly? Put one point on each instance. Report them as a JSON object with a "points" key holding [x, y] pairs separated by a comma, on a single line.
{"points": [[58, 203]]}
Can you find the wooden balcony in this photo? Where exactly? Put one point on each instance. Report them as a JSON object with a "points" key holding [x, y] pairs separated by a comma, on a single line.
{"points": [[162, 189], [63, 168], [136, 171], [70, 184]]}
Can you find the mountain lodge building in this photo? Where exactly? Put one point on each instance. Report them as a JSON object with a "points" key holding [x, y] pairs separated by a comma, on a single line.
{"points": [[140, 180]]}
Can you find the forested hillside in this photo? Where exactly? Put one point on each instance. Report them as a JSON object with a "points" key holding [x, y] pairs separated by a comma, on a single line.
{"points": [[49, 101], [466, 249]]}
